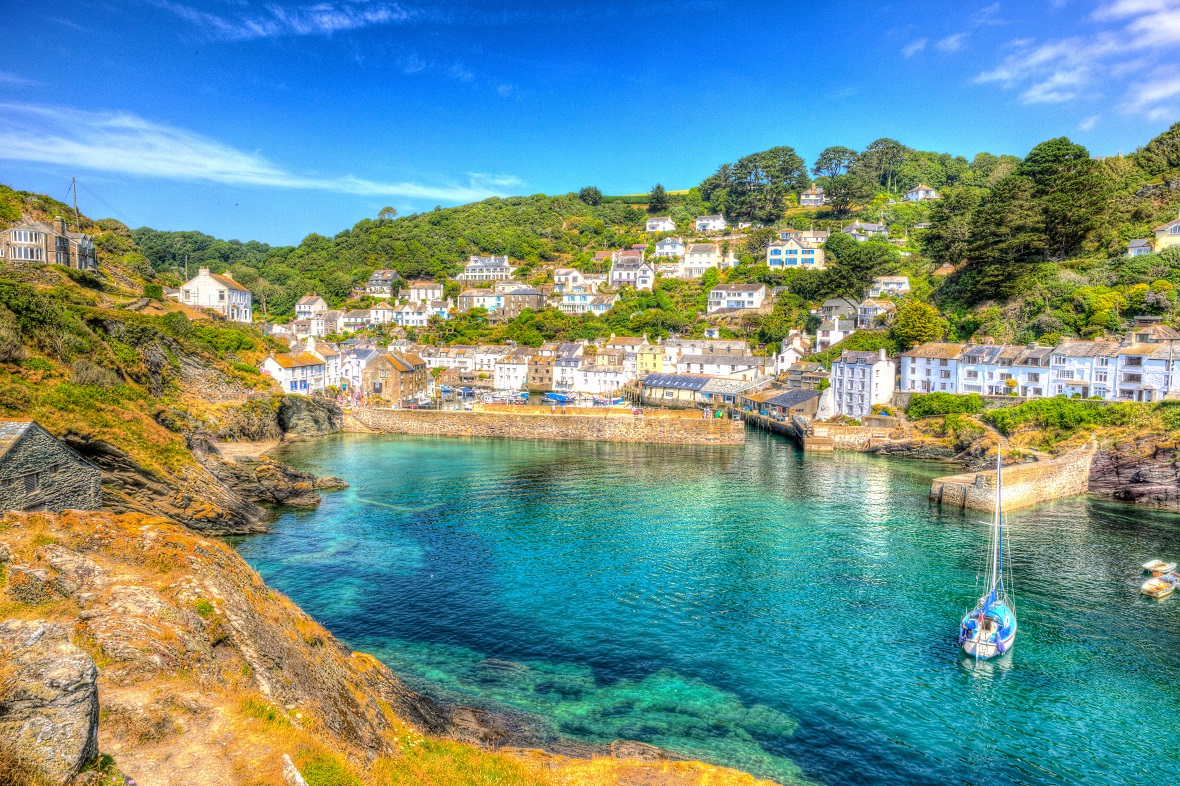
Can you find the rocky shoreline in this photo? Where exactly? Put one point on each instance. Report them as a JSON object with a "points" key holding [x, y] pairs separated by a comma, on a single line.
{"points": [[134, 637]]}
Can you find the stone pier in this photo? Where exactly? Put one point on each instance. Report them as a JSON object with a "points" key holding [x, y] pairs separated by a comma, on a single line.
{"points": [[607, 425], [1025, 485]]}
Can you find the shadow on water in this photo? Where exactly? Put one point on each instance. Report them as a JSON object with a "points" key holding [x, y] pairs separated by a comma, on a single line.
{"points": [[751, 606]]}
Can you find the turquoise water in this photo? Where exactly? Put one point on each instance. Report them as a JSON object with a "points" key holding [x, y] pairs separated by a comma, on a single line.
{"points": [[790, 616]]}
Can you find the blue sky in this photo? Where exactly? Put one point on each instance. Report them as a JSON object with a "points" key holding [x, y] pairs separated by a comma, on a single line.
{"points": [[271, 120]]}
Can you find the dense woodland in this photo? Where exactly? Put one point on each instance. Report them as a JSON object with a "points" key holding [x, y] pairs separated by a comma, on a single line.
{"points": [[1037, 245]]}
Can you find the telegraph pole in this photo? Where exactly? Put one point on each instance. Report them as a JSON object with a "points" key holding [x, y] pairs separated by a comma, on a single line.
{"points": [[74, 188]]}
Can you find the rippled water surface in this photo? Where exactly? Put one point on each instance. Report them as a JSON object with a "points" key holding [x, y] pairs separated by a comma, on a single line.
{"points": [[790, 616]]}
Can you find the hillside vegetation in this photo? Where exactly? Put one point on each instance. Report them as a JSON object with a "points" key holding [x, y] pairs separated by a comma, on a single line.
{"points": [[1037, 243]]}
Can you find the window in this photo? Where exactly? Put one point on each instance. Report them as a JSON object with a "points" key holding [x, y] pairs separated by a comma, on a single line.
{"points": [[27, 236], [1103, 362], [1099, 376], [1135, 361], [27, 253], [945, 374], [1034, 377]]}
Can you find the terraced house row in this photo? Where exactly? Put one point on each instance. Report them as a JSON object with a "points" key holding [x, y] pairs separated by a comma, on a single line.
{"points": [[1143, 366]]}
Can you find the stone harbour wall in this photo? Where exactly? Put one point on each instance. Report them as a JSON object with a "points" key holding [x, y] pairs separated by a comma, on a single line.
{"points": [[582, 428], [1025, 485]]}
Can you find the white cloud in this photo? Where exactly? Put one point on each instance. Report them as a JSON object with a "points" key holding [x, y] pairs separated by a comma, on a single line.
{"points": [[988, 16], [324, 18], [8, 78], [125, 143], [914, 47], [1135, 33], [952, 43], [1089, 123]]}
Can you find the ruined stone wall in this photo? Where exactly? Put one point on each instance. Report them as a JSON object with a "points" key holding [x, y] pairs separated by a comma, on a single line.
{"points": [[592, 428], [1025, 485]]}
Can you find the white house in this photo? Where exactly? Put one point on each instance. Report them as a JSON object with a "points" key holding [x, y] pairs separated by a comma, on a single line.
{"points": [[727, 366], [889, 286], [812, 197], [860, 380], [357, 319], [601, 304], [833, 331], [661, 224], [309, 305], [381, 314], [352, 363], [512, 370], [736, 296], [794, 254], [422, 291], [860, 231], [870, 313], [301, 373], [486, 269], [331, 357], [921, 193], [698, 258], [670, 247], [481, 298], [218, 293], [576, 301], [411, 315], [934, 367], [629, 268], [1084, 369], [711, 224], [795, 348], [488, 355]]}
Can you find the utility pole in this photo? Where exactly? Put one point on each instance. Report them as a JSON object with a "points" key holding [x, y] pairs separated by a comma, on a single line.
{"points": [[74, 188]]}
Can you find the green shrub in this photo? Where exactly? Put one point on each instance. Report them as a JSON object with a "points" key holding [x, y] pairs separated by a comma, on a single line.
{"points": [[153, 291], [15, 398], [203, 607], [245, 368], [1062, 416], [924, 405], [37, 364]]}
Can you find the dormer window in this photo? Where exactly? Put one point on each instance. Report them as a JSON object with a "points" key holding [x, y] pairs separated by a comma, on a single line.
{"points": [[1174, 230]]}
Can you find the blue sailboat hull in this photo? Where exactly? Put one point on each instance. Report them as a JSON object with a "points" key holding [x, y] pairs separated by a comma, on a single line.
{"points": [[989, 629]]}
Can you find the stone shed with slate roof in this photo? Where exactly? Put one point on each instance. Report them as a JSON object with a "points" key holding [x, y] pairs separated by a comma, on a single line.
{"points": [[39, 472]]}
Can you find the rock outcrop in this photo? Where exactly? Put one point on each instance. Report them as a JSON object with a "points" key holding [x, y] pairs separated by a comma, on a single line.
{"points": [[209, 676], [309, 416], [48, 699], [1142, 471]]}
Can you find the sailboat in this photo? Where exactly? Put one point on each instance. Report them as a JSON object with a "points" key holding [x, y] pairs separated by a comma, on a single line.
{"points": [[990, 628]]}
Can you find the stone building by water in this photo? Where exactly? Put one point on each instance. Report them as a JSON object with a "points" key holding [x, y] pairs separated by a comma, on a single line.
{"points": [[38, 472]]}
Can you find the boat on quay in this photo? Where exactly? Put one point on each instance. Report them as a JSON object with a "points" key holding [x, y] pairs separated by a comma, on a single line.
{"points": [[989, 629]]}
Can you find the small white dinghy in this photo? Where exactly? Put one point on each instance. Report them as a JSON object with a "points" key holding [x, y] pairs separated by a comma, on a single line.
{"points": [[1159, 586], [1158, 566]]}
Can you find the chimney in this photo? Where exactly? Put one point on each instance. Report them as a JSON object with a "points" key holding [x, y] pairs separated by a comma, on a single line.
{"points": [[228, 275], [311, 343], [204, 271], [881, 353], [59, 225]]}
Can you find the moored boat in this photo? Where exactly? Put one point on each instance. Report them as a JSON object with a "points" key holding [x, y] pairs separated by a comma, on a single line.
{"points": [[1158, 566], [1159, 586], [989, 629]]}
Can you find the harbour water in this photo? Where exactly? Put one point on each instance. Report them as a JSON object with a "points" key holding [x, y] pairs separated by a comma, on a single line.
{"points": [[792, 616]]}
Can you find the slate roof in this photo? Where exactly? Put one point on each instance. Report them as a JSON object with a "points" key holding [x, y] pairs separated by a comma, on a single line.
{"points": [[856, 357], [702, 248], [675, 381], [793, 398], [308, 300], [723, 386], [10, 432], [1140, 243], [1086, 349], [739, 288]]}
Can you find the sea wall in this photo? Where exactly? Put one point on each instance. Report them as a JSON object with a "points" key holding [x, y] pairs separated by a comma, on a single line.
{"points": [[1025, 485], [586, 428]]}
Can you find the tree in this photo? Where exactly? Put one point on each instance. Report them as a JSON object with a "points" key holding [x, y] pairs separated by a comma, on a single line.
{"points": [[1007, 242], [657, 199], [1161, 154], [387, 214], [917, 323], [951, 219], [846, 190], [1070, 190], [881, 161], [857, 264], [590, 195], [833, 161], [756, 187]]}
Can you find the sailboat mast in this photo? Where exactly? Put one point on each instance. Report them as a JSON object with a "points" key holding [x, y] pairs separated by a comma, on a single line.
{"points": [[996, 520]]}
